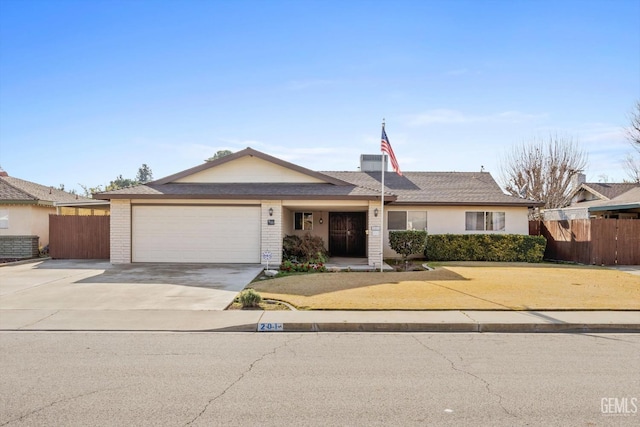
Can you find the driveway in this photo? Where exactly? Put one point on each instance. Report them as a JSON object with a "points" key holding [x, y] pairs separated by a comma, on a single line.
{"points": [[99, 285]]}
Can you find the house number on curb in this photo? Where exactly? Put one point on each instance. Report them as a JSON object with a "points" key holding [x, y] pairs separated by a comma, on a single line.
{"points": [[270, 327]]}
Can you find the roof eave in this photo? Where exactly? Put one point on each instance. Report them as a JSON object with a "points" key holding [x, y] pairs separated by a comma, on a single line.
{"points": [[471, 203], [241, 197], [614, 207]]}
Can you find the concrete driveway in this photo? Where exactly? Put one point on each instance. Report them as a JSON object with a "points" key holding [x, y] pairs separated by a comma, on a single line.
{"points": [[99, 285]]}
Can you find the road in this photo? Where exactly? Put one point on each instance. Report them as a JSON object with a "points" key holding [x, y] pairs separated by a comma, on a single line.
{"points": [[201, 379]]}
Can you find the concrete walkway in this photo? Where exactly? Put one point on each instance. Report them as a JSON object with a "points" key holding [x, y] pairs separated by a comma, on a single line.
{"points": [[319, 321]]}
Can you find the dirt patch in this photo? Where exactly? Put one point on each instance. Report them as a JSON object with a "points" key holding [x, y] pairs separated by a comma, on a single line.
{"points": [[463, 286]]}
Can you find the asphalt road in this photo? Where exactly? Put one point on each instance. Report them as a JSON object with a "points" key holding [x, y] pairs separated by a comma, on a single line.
{"points": [[184, 379]]}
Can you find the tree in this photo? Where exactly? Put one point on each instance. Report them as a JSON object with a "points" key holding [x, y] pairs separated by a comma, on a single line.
{"points": [[219, 154], [631, 163], [408, 242], [120, 182], [89, 191], [633, 131], [144, 174], [543, 170], [631, 166]]}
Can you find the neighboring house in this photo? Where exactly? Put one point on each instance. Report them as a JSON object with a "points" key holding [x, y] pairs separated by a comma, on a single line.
{"points": [[600, 200], [236, 208], [24, 214]]}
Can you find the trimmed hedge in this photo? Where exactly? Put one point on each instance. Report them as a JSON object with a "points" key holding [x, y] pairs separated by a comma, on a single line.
{"points": [[485, 247]]}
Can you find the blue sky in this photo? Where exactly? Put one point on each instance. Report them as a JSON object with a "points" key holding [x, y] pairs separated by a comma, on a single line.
{"points": [[93, 89]]}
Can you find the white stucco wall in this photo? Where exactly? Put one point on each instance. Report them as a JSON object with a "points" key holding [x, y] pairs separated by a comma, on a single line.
{"points": [[451, 220], [28, 220]]}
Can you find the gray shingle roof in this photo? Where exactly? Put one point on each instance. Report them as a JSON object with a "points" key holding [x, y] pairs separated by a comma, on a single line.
{"points": [[241, 190], [18, 190], [436, 187], [610, 190]]}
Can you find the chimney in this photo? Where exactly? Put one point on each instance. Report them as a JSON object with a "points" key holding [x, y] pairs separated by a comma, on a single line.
{"points": [[577, 180], [3, 172], [372, 163]]}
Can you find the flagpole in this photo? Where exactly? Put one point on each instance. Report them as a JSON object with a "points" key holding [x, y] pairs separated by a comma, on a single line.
{"points": [[382, 209]]}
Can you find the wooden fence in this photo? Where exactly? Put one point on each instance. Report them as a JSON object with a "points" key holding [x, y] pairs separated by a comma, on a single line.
{"points": [[79, 237], [591, 241]]}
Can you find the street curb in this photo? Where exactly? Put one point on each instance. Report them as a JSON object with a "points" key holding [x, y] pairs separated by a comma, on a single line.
{"points": [[459, 327], [380, 327]]}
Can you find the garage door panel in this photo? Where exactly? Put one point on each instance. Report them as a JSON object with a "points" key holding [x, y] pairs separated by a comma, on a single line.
{"points": [[196, 234]]}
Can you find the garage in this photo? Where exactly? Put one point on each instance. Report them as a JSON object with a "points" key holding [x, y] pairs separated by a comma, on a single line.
{"points": [[189, 233]]}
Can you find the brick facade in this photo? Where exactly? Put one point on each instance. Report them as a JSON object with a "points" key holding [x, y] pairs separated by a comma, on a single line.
{"points": [[19, 246], [271, 235], [120, 239], [375, 223]]}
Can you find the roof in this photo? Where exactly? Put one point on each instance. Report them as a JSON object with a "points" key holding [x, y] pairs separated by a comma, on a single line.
{"points": [[15, 190], [630, 199], [241, 191], [607, 191], [425, 188], [437, 188]]}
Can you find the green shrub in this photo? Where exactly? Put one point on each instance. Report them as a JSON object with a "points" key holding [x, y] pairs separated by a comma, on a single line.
{"points": [[407, 242], [302, 267], [249, 298], [308, 248], [485, 247]]}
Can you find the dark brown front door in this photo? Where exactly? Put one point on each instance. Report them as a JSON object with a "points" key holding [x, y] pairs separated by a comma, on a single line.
{"points": [[347, 235]]}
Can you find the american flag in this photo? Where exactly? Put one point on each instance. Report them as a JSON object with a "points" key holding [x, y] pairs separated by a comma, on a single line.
{"points": [[386, 148]]}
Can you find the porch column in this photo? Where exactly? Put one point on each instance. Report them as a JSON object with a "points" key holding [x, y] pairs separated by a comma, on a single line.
{"points": [[375, 228], [271, 235], [120, 236]]}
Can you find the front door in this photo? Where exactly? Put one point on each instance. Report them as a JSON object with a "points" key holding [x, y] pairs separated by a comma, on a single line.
{"points": [[347, 237]]}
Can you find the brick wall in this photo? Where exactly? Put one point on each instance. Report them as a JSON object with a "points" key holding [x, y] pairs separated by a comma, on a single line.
{"points": [[120, 237], [272, 234], [375, 223], [19, 246]]}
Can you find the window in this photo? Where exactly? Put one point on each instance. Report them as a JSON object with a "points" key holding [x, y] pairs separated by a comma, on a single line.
{"points": [[407, 220], [4, 218], [484, 221], [303, 221]]}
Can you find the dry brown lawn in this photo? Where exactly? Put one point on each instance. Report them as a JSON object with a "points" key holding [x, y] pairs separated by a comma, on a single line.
{"points": [[462, 286]]}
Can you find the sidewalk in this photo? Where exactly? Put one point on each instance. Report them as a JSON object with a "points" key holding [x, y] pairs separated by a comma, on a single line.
{"points": [[319, 321]]}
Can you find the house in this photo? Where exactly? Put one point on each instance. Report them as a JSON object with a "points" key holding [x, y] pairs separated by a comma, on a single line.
{"points": [[599, 200], [238, 208], [24, 215]]}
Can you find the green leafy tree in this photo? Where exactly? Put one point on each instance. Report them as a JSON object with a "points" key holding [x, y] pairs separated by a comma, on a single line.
{"points": [[144, 174], [408, 242], [219, 154], [120, 182], [89, 191]]}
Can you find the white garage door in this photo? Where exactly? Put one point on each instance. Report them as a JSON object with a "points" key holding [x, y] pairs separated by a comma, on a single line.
{"points": [[216, 234]]}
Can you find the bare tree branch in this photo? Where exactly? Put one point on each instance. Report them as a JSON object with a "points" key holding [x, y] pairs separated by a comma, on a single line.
{"points": [[633, 131], [543, 170], [632, 167]]}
